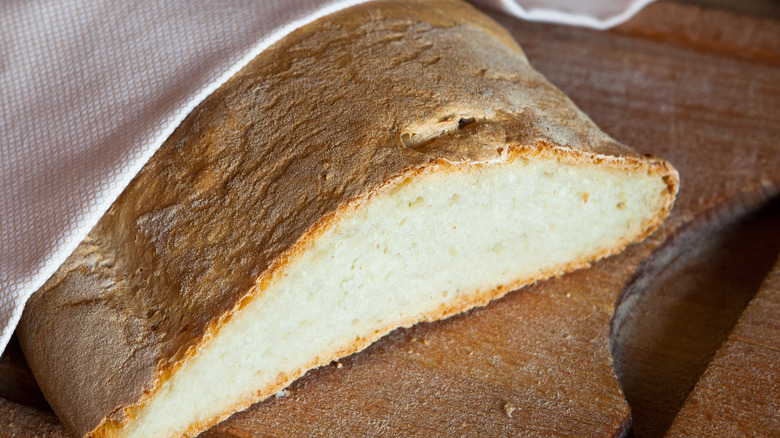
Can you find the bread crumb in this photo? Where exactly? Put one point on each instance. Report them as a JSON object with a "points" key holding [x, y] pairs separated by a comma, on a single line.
{"points": [[426, 342], [339, 365], [508, 409], [282, 393]]}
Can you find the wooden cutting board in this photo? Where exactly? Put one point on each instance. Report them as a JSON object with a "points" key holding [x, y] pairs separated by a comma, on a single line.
{"points": [[680, 306], [698, 87], [739, 393]]}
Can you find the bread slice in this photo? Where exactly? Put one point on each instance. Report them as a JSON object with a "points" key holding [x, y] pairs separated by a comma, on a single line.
{"points": [[393, 163]]}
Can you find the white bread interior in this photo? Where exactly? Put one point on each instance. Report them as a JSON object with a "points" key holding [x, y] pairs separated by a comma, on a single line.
{"points": [[434, 245]]}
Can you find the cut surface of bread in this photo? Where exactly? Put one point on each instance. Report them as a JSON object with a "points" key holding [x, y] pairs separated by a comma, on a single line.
{"points": [[392, 163], [437, 244]]}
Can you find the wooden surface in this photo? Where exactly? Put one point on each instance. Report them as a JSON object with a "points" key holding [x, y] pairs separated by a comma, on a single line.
{"points": [[680, 306], [739, 393], [698, 87]]}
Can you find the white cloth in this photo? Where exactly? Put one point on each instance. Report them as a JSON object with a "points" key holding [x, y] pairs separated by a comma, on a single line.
{"points": [[598, 14], [89, 89]]}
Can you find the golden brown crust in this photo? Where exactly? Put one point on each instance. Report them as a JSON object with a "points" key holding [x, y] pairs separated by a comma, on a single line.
{"points": [[334, 113]]}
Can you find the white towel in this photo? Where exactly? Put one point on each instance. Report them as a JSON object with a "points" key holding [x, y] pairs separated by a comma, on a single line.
{"points": [[89, 89]]}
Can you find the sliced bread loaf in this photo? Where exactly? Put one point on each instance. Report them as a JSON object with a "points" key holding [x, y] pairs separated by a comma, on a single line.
{"points": [[393, 163]]}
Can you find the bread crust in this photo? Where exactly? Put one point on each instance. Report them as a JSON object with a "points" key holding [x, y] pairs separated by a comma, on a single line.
{"points": [[307, 132]]}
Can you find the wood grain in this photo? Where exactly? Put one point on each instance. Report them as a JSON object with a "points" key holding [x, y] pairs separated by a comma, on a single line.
{"points": [[21, 421], [680, 306], [739, 393], [538, 361]]}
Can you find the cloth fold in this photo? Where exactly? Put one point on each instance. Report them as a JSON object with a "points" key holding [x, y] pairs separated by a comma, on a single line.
{"points": [[90, 89]]}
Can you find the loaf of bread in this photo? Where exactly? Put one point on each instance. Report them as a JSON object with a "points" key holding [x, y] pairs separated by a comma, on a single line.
{"points": [[392, 163]]}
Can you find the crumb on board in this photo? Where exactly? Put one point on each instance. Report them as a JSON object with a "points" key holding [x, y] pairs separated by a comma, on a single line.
{"points": [[509, 408]]}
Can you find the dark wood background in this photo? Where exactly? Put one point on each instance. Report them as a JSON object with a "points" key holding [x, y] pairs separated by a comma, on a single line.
{"points": [[612, 350]]}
